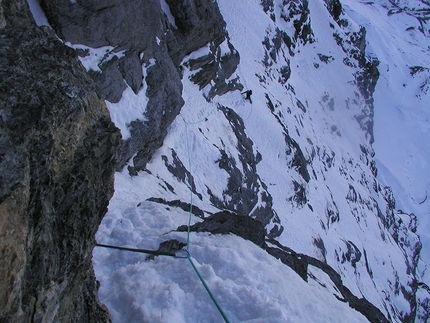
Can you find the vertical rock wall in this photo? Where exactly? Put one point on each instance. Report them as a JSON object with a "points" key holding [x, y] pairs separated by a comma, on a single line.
{"points": [[57, 148]]}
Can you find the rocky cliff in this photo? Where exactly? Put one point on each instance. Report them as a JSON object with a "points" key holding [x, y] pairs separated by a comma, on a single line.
{"points": [[57, 158], [289, 177], [142, 32]]}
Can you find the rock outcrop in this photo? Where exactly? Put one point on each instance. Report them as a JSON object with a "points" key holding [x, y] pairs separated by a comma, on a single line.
{"points": [[57, 159], [155, 40]]}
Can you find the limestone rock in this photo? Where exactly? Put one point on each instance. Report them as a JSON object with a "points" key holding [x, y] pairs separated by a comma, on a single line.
{"points": [[226, 222], [126, 25], [56, 178], [198, 22], [14, 13]]}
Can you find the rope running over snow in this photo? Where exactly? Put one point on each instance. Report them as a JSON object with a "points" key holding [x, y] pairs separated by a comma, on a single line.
{"points": [[178, 254], [188, 234], [191, 209]]}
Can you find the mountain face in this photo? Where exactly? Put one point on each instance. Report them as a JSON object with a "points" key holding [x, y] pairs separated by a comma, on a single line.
{"points": [[278, 200], [57, 162], [293, 172]]}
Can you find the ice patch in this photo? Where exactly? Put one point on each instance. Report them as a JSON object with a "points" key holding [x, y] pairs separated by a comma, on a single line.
{"points": [[38, 14]]}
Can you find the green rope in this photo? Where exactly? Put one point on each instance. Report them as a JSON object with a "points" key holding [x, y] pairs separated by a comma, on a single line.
{"points": [[191, 192], [189, 229], [208, 290], [177, 255]]}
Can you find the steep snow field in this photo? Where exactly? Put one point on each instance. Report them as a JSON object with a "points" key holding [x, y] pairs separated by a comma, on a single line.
{"points": [[402, 100], [318, 108], [249, 284]]}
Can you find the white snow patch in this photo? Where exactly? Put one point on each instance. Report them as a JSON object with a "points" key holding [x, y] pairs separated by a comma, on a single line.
{"points": [[246, 281], [96, 56], [131, 107]]}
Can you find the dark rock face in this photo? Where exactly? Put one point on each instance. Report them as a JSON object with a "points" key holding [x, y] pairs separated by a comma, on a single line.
{"points": [[125, 25], [148, 38], [132, 26], [227, 222], [182, 205], [110, 81], [164, 93], [56, 166], [198, 22], [14, 13], [334, 7], [216, 67], [95, 27]]}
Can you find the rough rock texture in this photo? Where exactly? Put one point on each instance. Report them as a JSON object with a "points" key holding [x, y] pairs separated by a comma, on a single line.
{"points": [[227, 222], [216, 68], [125, 25], [198, 22], [151, 42], [14, 13], [57, 148], [135, 27]]}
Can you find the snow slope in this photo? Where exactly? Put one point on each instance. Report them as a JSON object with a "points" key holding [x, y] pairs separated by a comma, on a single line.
{"points": [[299, 159], [402, 128], [250, 285]]}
